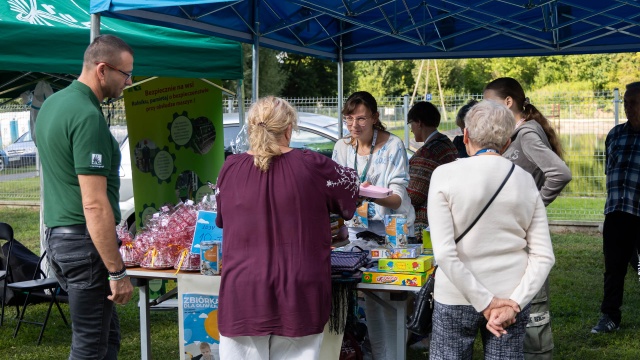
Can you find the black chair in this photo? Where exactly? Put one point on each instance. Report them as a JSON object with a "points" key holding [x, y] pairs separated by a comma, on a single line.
{"points": [[37, 287], [6, 233]]}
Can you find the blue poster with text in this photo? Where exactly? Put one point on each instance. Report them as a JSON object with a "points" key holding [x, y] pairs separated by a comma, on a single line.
{"points": [[201, 336]]}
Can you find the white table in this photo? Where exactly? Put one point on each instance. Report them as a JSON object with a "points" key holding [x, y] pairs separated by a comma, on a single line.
{"points": [[143, 276], [399, 305]]}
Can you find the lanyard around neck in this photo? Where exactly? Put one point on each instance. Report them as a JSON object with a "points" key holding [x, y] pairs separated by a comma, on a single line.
{"points": [[487, 151], [366, 167]]}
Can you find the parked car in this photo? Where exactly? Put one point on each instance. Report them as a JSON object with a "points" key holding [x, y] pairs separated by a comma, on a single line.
{"points": [[4, 159], [316, 132], [22, 152]]}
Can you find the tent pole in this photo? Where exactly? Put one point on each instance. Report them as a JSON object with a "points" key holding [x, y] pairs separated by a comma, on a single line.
{"points": [[405, 110], [340, 90], [95, 27], [255, 67], [240, 97]]}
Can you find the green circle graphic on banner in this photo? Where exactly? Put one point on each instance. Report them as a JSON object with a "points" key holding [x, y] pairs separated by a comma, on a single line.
{"points": [[163, 165]]}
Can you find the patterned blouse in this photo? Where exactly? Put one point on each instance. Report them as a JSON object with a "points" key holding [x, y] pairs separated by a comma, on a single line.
{"points": [[435, 152], [389, 168]]}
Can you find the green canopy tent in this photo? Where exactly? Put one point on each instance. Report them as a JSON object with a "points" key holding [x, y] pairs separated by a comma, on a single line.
{"points": [[47, 41]]}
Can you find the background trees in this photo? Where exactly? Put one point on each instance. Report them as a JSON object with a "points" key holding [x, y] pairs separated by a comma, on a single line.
{"points": [[293, 75]]}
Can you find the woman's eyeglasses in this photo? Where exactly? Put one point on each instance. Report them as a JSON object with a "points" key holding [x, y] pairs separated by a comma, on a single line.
{"points": [[350, 120], [128, 75]]}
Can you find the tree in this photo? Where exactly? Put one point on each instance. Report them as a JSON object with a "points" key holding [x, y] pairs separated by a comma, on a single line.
{"points": [[271, 79], [312, 77], [385, 77]]}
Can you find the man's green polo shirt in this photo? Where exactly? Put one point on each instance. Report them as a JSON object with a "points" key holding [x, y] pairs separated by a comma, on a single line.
{"points": [[73, 139]]}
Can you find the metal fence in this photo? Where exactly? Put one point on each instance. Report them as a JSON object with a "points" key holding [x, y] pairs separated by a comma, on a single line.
{"points": [[582, 120]]}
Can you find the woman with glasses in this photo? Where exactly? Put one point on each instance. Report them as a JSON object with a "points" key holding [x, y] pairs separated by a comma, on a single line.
{"points": [[536, 148], [380, 159]]}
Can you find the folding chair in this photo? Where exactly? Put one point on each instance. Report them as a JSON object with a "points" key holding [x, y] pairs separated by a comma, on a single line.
{"points": [[6, 233], [38, 287]]}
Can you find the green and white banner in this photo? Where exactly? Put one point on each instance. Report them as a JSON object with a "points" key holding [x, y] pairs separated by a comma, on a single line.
{"points": [[176, 141]]}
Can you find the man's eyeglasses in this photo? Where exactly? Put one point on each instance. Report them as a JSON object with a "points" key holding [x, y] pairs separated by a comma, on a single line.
{"points": [[128, 75], [350, 120]]}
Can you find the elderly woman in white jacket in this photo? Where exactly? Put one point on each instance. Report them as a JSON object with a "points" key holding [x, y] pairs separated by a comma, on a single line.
{"points": [[486, 281]]}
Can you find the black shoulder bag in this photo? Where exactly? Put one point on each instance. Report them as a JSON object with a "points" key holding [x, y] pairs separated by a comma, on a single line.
{"points": [[420, 320]]}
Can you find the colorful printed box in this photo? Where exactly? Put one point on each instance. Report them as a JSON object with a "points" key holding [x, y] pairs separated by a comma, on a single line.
{"points": [[421, 264], [409, 279], [412, 251], [380, 253]]}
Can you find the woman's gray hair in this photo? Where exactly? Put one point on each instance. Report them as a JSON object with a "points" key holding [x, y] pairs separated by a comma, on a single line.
{"points": [[489, 125]]}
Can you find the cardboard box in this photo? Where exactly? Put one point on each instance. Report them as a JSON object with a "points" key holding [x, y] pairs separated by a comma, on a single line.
{"points": [[373, 276], [420, 264], [411, 251], [380, 253]]}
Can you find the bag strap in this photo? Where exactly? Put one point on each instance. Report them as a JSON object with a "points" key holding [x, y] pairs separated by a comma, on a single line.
{"points": [[489, 203]]}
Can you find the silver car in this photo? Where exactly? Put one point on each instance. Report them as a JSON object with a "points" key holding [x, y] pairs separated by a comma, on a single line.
{"points": [[22, 152]]}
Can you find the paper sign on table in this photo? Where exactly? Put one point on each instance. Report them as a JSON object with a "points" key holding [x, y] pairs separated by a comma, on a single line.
{"points": [[206, 230]]}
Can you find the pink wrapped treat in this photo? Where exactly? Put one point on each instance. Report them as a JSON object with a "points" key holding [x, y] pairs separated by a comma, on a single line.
{"points": [[187, 261], [158, 258], [130, 255]]}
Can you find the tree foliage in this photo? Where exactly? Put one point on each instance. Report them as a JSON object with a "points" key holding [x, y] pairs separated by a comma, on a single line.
{"points": [[313, 77], [293, 75]]}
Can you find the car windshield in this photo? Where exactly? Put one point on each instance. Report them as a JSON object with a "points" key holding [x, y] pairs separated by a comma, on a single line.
{"points": [[26, 137]]}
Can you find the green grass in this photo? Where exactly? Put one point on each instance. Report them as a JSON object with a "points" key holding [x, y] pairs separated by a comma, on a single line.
{"points": [[576, 209], [576, 291], [22, 189]]}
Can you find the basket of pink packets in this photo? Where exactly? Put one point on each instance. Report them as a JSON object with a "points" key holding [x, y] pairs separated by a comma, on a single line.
{"points": [[155, 243], [128, 251], [185, 218], [182, 224]]}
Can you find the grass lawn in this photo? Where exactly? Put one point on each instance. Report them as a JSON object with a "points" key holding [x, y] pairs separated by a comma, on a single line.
{"points": [[576, 291], [20, 189]]}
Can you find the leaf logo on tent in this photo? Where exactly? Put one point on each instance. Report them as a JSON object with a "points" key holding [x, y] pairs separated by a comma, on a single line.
{"points": [[48, 16]]}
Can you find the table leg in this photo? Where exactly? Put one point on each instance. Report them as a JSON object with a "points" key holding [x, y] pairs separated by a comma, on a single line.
{"points": [[398, 301], [145, 335], [401, 330]]}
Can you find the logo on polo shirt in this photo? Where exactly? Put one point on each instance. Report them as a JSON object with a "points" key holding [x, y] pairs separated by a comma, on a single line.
{"points": [[96, 161]]}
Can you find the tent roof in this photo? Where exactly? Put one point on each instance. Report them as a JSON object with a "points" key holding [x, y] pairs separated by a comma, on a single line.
{"points": [[51, 38], [402, 29]]}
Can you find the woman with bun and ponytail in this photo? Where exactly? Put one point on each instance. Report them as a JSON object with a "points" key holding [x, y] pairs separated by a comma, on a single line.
{"points": [[273, 205], [536, 148]]}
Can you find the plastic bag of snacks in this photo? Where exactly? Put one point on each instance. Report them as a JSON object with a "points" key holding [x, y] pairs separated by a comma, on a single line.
{"points": [[187, 261], [129, 253], [159, 251]]}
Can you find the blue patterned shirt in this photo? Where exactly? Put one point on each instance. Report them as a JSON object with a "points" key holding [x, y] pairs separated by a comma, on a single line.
{"points": [[622, 148]]}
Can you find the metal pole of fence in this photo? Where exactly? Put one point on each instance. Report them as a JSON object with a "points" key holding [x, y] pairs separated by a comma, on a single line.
{"points": [[340, 92], [616, 105], [405, 109]]}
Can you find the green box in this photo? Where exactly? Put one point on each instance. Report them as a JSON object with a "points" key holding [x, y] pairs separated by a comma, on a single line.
{"points": [[421, 264]]}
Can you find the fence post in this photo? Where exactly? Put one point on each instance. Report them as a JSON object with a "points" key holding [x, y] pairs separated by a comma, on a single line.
{"points": [[405, 109], [616, 104]]}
